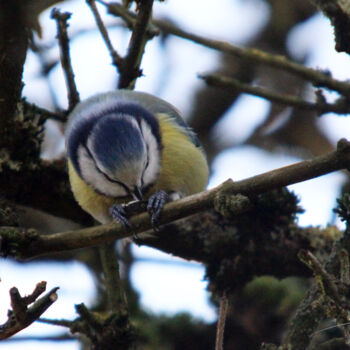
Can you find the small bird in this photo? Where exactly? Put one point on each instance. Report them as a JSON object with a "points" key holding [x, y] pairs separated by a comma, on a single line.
{"points": [[126, 145]]}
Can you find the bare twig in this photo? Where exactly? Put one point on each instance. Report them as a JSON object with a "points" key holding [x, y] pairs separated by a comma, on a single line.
{"points": [[318, 78], [21, 316], [131, 66], [219, 341], [39, 289], [116, 58], [290, 100], [45, 114], [63, 323], [312, 310], [332, 290], [324, 279], [302, 171], [53, 338], [62, 25]]}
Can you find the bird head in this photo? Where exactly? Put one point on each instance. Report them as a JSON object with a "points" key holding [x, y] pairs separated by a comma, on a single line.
{"points": [[115, 148]]}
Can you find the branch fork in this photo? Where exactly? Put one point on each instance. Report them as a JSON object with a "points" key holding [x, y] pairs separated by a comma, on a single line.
{"points": [[22, 315]]}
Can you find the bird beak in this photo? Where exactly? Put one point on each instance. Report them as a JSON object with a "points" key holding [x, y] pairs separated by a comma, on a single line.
{"points": [[137, 194]]}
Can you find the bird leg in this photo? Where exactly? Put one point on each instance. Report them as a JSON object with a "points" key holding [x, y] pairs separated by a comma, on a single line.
{"points": [[119, 214], [155, 206]]}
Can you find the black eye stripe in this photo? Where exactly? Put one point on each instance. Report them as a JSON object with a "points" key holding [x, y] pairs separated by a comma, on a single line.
{"points": [[104, 174]]}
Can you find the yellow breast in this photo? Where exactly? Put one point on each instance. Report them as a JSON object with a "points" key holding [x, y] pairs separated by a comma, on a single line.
{"points": [[184, 166], [91, 201]]}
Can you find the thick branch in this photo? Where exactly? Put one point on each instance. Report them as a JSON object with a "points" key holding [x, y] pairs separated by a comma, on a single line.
{"points": [[53, 196], [302, 171], [112, 281], [13, 49]]}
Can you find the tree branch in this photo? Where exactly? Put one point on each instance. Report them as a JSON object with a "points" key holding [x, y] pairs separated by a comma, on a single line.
{"points": [[13, 49], [21, 316], [116, 58], [53, 196], [113, 283], [340, 106], [131, 66], [302, 171], [219, 341], [62, 35], [318, 78], [311, 311]]}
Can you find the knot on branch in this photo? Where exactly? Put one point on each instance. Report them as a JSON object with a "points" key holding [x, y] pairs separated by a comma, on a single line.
{"points": [[8, 213], [14, 240], [106, 332], [227, 204], [343, 145], [20, 143]]}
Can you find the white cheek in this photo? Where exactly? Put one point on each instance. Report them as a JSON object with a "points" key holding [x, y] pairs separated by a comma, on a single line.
{"points": [[95, 179], [152, 171]]}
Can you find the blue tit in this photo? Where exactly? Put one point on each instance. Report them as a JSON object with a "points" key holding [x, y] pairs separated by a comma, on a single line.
{"points": [[126, 145]]}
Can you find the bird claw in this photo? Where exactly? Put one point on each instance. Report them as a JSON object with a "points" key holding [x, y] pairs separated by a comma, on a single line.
{"points": [[155, 206], [119, 214]]}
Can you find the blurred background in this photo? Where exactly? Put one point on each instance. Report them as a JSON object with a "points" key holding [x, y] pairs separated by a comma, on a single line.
{"points": [[242, 135]]}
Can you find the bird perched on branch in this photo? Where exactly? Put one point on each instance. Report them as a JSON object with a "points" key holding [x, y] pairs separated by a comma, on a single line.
{"points": [[126, 145]]}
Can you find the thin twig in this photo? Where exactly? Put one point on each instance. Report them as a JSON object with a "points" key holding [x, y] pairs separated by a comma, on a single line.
{"points": [[53, 338], [21, 316], [332, 288], [42, 244], [324, 279], [55, 322], [219, 342], [289, 100], [62, 25], [44, 114], [317, 77], [39, 289], [131, 66], [116, 58]]}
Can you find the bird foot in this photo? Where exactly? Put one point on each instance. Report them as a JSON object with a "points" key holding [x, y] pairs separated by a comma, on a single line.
{"points": [[119, 214], [155, 206]]}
